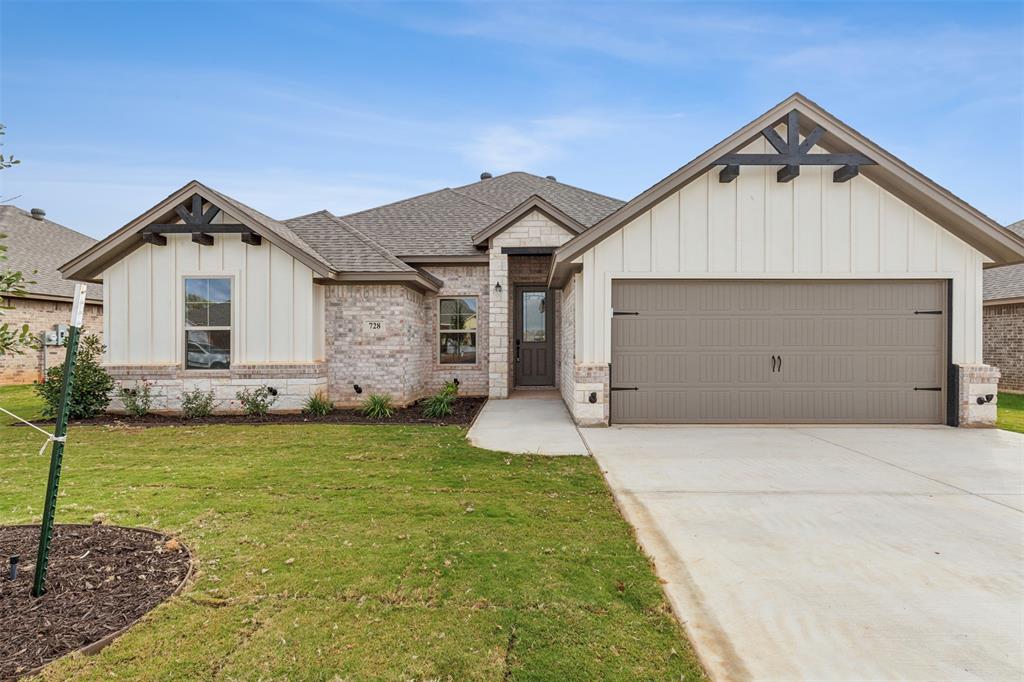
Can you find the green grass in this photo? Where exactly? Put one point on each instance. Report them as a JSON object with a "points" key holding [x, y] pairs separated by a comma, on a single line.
{"points": [[416, 556], [1010, 412]]}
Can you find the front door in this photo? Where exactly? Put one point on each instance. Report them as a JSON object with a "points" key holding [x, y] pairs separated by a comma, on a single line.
{"points": [[534, 337]]}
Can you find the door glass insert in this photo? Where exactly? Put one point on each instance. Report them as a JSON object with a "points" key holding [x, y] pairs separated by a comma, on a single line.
{"points": [[534, 319]]}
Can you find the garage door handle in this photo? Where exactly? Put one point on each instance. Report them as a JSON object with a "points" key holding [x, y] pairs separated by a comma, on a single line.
{"points": [[780, 364], [774, 360]]}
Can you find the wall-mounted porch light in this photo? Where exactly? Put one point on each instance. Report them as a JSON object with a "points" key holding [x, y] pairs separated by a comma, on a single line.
{"points": [[497, 287]]}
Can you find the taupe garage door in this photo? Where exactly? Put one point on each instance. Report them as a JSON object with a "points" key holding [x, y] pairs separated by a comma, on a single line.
{"points": [[705, 351]]}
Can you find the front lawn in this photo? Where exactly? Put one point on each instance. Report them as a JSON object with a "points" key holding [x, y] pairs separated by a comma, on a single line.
{"points": [[395, 552], [1010, 412]]}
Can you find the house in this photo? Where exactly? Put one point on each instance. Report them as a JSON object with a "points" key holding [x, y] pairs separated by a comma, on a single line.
{"points": [[1004, 321], [36, 247], [794, 272]]}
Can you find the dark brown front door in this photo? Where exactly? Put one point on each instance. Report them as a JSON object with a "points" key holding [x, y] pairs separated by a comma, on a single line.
{"points": [[534, 337]]}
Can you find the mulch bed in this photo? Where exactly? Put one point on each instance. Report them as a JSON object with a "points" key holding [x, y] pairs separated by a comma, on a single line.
{"points": [[465, 410], [100, 580]]}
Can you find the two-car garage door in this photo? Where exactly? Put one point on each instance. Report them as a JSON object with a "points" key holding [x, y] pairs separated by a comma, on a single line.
{"points": [[719, 351]]}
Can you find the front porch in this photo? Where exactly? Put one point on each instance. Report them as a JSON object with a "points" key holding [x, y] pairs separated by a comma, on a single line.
{"points": [[525, 318]]}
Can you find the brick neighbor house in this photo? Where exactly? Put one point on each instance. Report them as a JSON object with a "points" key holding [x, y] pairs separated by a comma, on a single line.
{"points": [[1004, 321], [37, 247], [794, 272]]}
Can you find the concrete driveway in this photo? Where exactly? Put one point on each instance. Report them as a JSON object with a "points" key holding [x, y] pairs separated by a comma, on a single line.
{"points": [[833, 553]]}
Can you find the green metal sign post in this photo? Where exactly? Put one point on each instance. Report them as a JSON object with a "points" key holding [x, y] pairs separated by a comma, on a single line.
{"points": [[59, 435]]}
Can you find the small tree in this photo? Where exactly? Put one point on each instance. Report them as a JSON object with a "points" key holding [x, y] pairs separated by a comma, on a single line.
{"points": [[90, 392]]}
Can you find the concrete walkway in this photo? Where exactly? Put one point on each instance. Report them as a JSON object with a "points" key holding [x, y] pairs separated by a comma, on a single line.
{"points": [[529, 423], [832, 553]]}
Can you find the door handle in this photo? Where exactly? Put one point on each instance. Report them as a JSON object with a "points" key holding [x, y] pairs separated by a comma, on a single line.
{"points": [[774, 360], [780, 364], [518, 341]]}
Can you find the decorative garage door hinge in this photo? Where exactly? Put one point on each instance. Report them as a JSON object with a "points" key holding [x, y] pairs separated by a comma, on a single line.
{"points": [[928, 388], [624, 312], [624, 388], [927, 312]]}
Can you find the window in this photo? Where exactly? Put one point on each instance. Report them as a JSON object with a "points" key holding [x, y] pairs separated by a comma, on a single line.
{"points": [[207, 323], [534, 317], [457, 330]]}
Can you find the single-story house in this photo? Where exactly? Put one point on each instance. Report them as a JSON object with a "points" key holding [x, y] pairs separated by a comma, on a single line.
{"points": [[37, 247], [794, 272], [1004, 321]]}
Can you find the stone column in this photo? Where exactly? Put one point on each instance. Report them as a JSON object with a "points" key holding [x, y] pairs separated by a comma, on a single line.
{"points": [[977, 382], [498, 326]]}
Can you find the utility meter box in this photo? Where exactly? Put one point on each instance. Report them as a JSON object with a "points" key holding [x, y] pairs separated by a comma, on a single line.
{"points": [[50, 338], [62, 333]]}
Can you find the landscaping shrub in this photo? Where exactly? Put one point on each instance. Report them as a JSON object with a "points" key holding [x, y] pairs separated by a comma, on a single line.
{"points": [[91, 389], [196, 404], [443, 403], [318, 405], [257, 401], [138, 400], [378, 406]]}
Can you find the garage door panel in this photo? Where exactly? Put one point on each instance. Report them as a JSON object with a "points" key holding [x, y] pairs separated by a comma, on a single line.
{"points": [[897, 407], [851, 351], [798, 332]]}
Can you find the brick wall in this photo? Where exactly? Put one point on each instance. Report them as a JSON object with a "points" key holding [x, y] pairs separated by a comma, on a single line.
{"points": [[458, 281], [1004, 343], [40, 316], [390, 360]]}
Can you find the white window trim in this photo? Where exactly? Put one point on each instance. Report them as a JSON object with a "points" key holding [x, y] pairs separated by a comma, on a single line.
{"points": [[185, 328], [474, 332]]}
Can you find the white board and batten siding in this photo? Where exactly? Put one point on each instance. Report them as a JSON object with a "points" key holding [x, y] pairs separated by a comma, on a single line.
{"points": [[758, 228], [277, 310]]}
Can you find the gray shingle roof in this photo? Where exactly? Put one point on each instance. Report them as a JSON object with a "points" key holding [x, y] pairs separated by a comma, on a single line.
{"points": [[1006, 281], [43, 246], [511, 189], [443, 223], [344, 247]]}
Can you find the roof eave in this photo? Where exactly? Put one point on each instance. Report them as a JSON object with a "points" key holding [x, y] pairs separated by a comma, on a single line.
{"points": [[87, 266], [1008, 300], [417, 280]]}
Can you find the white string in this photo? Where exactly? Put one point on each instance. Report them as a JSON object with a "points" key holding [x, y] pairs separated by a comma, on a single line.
{"points": [[50, 438]]}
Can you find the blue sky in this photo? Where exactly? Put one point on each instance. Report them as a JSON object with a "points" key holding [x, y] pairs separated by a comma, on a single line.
{"points": [[293, 107]]}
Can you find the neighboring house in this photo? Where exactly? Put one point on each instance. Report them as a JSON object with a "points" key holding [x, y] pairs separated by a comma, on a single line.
{"points": [[36, 247], [1004, 320], [795, 272]]}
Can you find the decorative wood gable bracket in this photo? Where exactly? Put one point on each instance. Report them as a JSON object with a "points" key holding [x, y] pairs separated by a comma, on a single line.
{"points": [[198, 223], [792, 153]]}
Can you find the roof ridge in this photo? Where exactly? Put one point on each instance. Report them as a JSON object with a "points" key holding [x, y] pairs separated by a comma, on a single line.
{"points": [[395, 260], [306, 215], [544, 179]]}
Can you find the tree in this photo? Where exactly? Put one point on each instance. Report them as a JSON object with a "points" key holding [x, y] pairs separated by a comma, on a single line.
{"points": [[13, 340]]}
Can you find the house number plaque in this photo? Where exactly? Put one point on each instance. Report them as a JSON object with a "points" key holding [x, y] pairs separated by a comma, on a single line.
{"points": [[375, 326]]}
